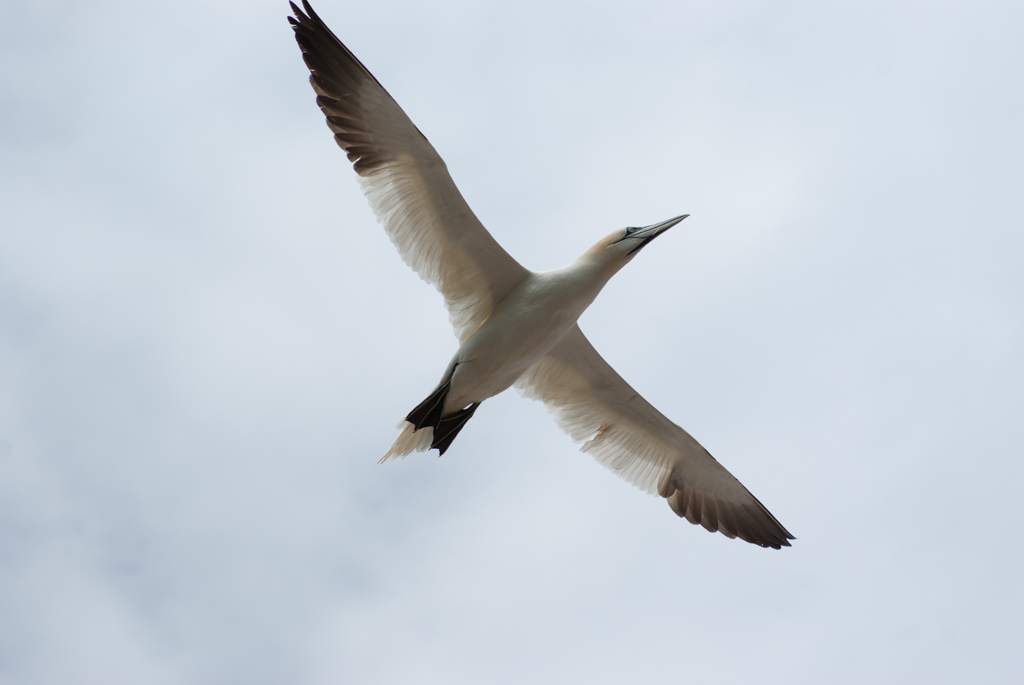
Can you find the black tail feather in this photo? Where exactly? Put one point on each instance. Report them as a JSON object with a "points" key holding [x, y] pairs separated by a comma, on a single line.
{"points": [[450, 426]]}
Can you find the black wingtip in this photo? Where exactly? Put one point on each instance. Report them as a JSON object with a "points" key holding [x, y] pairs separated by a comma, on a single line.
{"points": [[298, 15], [309, 11]]}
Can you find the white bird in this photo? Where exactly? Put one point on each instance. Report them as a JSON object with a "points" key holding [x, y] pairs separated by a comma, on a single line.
{"points": [[515, 327]]}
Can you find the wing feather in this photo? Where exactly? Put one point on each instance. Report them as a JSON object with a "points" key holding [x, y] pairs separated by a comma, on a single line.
{"points": [[406, 181], [625, 433]]}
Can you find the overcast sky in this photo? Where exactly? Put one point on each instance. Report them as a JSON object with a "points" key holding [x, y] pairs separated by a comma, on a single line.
{"points": [[206, 342]]}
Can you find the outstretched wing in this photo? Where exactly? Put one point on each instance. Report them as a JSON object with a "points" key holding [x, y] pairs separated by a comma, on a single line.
{"points": [[406, 181], [623, 431]]}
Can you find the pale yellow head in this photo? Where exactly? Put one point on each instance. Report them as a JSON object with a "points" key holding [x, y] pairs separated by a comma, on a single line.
{"points": [[619, 247]]}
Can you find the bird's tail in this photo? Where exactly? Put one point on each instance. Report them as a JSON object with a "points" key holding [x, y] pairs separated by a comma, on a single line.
{"points": [[426, 428], [409, 440]]}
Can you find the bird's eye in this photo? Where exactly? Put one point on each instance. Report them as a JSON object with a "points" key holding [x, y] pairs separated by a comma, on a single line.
{"points": [[632, 229]]}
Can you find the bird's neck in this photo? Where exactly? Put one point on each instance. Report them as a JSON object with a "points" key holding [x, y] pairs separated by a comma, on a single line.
{"points": [[582, 280], [595, 269]]}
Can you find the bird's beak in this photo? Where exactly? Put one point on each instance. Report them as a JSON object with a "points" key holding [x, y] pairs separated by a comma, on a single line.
{"points": [[654, 230], [649, 233]]}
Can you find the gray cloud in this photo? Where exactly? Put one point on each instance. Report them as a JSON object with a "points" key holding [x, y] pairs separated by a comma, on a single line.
{"points": [[205, 343]]}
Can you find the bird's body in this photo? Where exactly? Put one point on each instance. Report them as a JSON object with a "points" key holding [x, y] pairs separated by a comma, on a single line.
{"points": [[525, 325], [515, 327]]}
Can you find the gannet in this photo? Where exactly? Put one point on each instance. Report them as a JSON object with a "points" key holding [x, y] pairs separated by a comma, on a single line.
{"points": [[515, 327]]}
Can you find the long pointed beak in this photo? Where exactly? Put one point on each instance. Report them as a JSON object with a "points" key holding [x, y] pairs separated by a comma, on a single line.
{"points": [[654, 230]]}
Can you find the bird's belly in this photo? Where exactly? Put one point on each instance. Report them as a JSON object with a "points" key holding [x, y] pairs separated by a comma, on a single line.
{"points": [[491, 360]]}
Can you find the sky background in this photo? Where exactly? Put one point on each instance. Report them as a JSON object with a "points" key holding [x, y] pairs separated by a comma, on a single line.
{"points": [[206, 342]]}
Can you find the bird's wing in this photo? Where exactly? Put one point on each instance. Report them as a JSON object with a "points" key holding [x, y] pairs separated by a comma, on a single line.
{"points": [[623, 431], [406, 181]]}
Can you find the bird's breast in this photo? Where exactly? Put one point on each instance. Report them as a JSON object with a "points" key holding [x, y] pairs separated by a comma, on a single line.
{"points": [[523, 328]]}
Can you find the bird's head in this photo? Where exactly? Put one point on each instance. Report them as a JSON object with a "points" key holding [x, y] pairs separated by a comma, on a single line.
{"points": [[619, 247]]}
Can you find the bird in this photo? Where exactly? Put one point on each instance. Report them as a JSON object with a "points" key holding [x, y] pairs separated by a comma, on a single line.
{"points": [[515, 327]]}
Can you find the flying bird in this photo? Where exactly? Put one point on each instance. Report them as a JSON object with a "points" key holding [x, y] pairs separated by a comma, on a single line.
{"points": [[515, 327]]}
